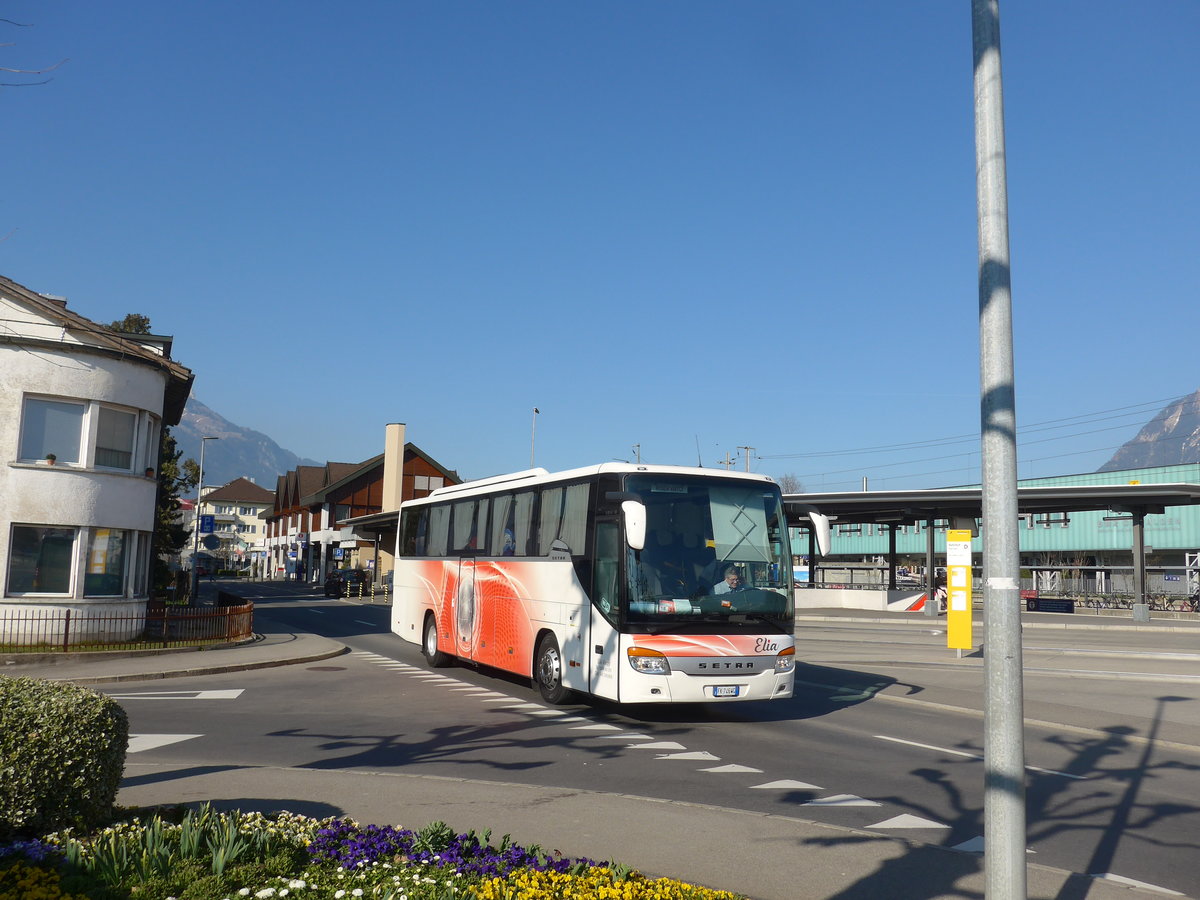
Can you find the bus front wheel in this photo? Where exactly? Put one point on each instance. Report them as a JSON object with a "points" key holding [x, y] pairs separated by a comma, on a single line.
{"points": [[547, 671], [429, 645]]}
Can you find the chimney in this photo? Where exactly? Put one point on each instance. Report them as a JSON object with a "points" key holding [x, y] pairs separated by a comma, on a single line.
{"points": [[393, 466]]}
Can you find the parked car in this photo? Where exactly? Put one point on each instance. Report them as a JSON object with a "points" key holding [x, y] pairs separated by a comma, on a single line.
{"points": [[342, 582]]}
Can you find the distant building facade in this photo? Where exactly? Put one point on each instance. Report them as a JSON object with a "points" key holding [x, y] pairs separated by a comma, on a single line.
{"points": [[1094, 548], [81, 416], [306, 534], [237, 509]]}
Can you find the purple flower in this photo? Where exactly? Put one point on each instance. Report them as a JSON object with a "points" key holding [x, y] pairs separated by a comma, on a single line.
{"points": [[351, 846]]}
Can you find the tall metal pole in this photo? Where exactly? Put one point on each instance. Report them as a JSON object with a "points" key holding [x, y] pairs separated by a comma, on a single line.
{"points": [[1005, 873], [196, 524], [533, 435]]}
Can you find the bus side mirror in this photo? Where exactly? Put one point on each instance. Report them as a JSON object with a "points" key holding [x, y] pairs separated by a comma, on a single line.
{"points": [[635, 523]]}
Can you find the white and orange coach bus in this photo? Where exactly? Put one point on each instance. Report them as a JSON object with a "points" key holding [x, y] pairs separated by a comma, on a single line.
{"points": [[637, 583]]}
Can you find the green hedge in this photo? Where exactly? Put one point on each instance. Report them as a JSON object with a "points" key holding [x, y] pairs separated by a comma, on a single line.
{"points": [[62, 751]]}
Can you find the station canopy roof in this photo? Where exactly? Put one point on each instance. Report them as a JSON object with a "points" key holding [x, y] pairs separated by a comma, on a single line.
{"points": [[911, 506]]}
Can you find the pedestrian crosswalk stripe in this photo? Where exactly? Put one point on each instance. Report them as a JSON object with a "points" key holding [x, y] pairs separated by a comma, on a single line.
{"points": [[908, 821], [139, 743], [842, 800]]}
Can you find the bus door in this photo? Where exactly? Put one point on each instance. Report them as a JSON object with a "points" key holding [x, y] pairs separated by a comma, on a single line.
{"points": [[602, 638], [466, 611]]}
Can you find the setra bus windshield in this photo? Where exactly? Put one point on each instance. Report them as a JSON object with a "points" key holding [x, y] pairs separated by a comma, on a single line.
{"points": [[715, 551]]}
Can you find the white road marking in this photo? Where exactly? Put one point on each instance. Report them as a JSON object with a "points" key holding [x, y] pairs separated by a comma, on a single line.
{"points": [[141, 742], [908, 821], [975, 845], [1121, 879], [842, 800], [703, 755], [786, 785], [657, 745], [231, 694], [599, 726], [976, 756], [731, 769]]}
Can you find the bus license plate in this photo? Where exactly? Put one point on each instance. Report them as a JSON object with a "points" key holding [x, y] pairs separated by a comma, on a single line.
{"points": [[725, 690]]}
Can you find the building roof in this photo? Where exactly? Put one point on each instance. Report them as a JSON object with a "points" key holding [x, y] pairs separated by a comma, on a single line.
{"points": [[243, 490], [338, 474], [901, 507], [92, 337]]}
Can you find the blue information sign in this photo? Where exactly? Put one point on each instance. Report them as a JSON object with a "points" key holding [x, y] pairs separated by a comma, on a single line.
{"points": [[207, 524]]}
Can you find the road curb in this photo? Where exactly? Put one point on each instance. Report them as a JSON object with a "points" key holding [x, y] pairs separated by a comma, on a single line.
{"points": [[339, 650]]}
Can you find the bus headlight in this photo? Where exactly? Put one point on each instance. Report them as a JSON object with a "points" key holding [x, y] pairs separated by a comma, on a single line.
{"points": [[785, 661], [648, 662]]}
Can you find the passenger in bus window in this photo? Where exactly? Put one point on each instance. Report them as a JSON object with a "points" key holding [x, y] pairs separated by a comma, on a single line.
{"points": [[733, 582]]}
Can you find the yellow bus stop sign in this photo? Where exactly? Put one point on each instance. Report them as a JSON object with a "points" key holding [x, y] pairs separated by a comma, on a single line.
{"points": [[958, 589]]}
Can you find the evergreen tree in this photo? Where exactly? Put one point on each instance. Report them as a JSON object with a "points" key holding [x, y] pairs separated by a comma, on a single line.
{"points": [[174, 479], [134, 323]]}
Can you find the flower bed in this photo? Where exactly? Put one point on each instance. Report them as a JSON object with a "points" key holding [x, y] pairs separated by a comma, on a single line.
{"points": [[208, 855]]}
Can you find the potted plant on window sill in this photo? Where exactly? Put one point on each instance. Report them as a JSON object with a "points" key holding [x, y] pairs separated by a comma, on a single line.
{"points": [[51, 459]]}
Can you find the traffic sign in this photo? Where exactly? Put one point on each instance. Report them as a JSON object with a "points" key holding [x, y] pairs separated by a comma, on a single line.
{"points": [[208, 524]]}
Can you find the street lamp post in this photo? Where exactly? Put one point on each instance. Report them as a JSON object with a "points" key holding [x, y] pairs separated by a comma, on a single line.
{"points": [[533, 435], [196, 523]]}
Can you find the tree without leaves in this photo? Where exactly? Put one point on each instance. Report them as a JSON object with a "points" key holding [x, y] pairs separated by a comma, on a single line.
{"points": [[790, 484]]}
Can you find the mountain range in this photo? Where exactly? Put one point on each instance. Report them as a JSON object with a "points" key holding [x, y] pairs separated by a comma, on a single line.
{"points": [[240, 452], [1170, 438]]}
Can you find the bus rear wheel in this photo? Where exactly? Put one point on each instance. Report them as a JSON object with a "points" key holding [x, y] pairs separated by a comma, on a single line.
{"points": [[547, 671], [429, 645]]}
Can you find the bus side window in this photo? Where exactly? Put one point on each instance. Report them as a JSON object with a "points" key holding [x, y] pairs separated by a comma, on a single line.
{"points": [[564, 518], [438, 541], [413, 524], [462, 529]]}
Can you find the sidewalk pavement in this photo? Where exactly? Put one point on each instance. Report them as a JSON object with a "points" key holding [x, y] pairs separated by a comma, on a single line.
{"points": [[692, 841]]}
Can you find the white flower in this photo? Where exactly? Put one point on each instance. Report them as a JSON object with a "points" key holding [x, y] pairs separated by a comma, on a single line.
{"points": [[297, 883], [244, 892], [265, 892], [338, 895], [357, 892]]}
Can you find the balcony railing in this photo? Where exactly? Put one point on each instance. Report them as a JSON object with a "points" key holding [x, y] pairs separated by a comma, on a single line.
{"points": [[161, 626]]}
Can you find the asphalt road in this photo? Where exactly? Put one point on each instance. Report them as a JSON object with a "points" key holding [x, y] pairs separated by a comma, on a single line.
{"points": [[842, 751]]}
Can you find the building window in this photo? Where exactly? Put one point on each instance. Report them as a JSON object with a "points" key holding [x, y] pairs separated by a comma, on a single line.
{"points": [[150, 440], [52, 427], [39, 560], [105, 572], [115, 430]]}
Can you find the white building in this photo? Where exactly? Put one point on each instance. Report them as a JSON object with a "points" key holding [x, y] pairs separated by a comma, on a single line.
{"points": [[81, 414]]}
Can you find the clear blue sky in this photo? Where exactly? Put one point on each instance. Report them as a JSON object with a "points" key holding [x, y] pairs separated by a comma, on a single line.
{"points": [[688, 225]]}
